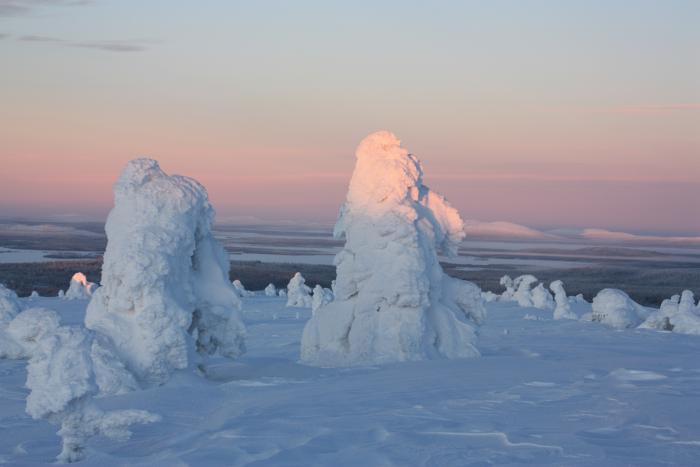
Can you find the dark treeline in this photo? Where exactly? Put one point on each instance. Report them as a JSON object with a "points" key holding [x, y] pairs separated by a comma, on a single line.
{"points": [[647, 286]]}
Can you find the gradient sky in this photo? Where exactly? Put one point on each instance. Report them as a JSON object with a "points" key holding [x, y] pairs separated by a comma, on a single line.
{"points": [[546, 113]]}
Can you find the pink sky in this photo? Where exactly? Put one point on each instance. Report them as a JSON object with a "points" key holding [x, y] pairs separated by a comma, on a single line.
{"points": [[547, 126]]}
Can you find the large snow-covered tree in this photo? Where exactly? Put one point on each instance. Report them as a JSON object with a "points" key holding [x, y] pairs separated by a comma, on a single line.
{"points": [[393, 301]]}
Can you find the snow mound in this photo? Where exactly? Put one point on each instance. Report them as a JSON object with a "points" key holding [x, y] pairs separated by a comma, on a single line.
{"points": [[392, 301], [298, 292], [80, 288], [678, 314], [165, 288], [270, 290], [562, 309], [616, 309]]}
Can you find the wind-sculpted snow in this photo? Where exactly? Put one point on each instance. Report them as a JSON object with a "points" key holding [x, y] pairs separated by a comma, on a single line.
{"points": [[392, 301], [165, 288], [615, 308], [298, 293], [80, 288]]}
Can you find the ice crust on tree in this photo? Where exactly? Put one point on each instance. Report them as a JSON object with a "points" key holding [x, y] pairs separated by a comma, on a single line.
{"points": [[80, 288], [616, 309], [562, 308], [392, 301], [165, 289], [523, 289], [270, 290], [298, 293], [678, 314]]}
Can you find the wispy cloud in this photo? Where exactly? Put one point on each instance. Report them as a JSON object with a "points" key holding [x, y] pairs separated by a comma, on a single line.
{"points": [[4, 36], [23, 7], [105, 45]]}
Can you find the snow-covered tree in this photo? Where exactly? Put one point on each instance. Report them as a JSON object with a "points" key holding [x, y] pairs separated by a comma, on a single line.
{"points": [[507, 282], [320, 297], [298, 293], [523, 289], [541, 298], [80, 288], [270, 290], [678, 314], [10, 306], [393, 301], [562, 309], [165, 287], [241, 290], [616, 309]]}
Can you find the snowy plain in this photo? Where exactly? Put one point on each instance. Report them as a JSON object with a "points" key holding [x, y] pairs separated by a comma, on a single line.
{"points": [[544, 392]]}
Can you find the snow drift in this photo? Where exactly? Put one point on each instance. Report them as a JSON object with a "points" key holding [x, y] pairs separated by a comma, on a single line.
{"points": [[165, 289], [392, 301]]}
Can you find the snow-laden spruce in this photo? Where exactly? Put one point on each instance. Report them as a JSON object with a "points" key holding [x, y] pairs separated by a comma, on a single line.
{"points": [[616, 309], [80, 288], [10, 306], [298, 293], [392, 301], [165, 287], [270, 290], [562, 309], [678, 314], [241, 290]]}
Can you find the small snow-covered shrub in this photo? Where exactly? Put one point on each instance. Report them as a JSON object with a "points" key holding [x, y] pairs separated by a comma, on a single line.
{"points": [[298, 292], [616, 309], [392, 301]]}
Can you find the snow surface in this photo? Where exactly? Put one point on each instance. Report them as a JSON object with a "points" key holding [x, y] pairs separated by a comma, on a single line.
{"points": [[392, 301], [544, 392]]}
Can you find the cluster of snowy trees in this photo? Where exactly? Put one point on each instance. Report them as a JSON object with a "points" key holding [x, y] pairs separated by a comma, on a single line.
{"points": [[613, 307]]}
